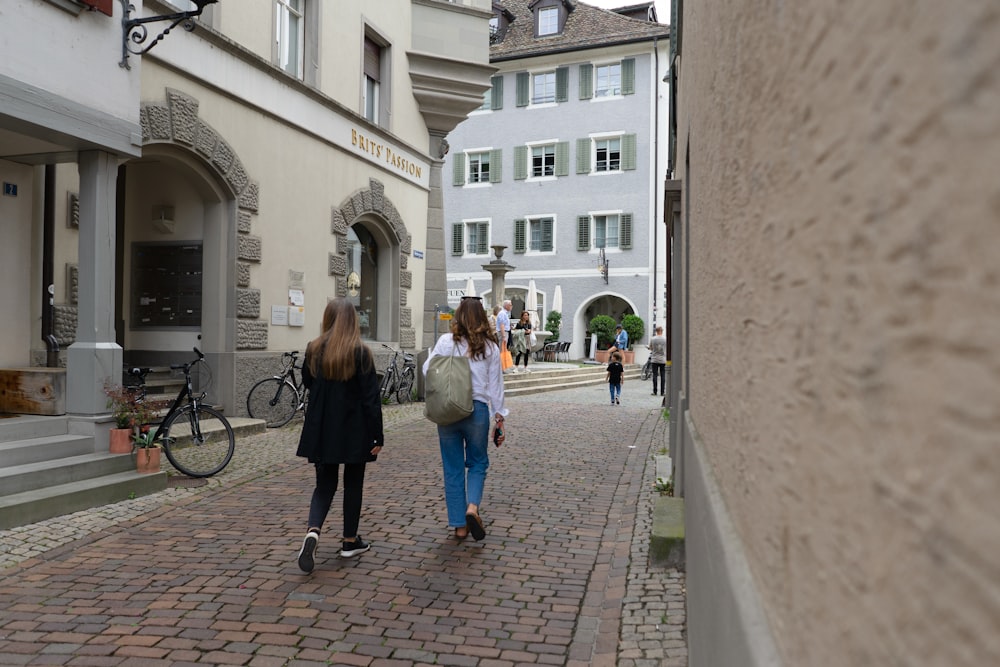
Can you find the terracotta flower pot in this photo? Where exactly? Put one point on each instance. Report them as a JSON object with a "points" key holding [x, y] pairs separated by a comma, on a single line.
{"points": [[147, 459], [120, 440]]}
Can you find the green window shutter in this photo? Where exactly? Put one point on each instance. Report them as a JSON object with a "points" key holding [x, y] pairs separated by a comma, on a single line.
{"points": [[458, 169], [583, 232], [456, 239], [496, 97], [628, 76], [482, 244], [625, 232], [495, 165], [628, 152], [520, 235], [520, 163], [562, 158], [522, 84], [583, 156], [547, 235], [586, 81], [562, 84]]}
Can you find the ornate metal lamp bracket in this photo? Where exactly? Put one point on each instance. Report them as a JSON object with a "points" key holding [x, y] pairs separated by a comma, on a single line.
{"points": [[134, 30]]}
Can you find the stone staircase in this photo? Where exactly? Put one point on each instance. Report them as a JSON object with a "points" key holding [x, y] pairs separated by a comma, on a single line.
{"points": [[46, 471], [547, 376]]}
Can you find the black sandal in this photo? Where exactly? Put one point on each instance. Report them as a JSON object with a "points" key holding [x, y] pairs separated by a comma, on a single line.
{"points": [[475, 526]]}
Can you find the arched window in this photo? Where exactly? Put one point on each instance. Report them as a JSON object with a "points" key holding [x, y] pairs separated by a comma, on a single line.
{"points": [[362, 278]]}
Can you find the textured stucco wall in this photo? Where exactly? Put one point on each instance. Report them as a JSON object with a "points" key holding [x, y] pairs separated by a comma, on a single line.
{"points": [[845, 315]]}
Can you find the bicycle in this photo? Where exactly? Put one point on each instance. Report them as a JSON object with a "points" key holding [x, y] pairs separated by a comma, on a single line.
{"points": [[197, 439], [647, 370], [396, 380], [276, 399]]}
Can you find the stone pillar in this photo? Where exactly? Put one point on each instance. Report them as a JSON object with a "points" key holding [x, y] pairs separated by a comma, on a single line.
{"points": [[95, 356], [498, 268], [435, 277]]}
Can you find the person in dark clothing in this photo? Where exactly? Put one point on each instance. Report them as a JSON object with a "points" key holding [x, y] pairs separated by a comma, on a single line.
{"points": [[343, 424], [524, 350], [615, 377]]}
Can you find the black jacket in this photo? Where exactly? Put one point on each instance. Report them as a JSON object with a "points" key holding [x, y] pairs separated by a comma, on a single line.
{"points": [[343, 419]]}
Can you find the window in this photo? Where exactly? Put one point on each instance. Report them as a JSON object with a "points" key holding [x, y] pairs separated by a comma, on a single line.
{"points": [[479, 167], [540, 160], [372, 76], [493, 98], [608, 155], [543, 87], [540, 232], [543, 160], [289, 31], [604, 230], [487, 101], [548, 21], [608, 80], [470, 238]]}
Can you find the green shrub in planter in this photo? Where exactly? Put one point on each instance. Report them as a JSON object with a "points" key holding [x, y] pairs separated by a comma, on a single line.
{"points": [[604, 327], [552, 323], [634, 327]]}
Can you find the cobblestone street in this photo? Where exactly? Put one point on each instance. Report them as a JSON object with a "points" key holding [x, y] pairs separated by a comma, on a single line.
{"points": [[205, 573]]}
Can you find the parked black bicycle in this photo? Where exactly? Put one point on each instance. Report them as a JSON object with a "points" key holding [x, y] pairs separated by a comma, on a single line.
{"points": [[197, 439], [276, 399], [398, 379], [647, 369]]}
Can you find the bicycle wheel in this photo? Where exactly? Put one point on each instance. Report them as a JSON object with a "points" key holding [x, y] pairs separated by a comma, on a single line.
{"points": [[388, 384], [274, 400], [405, 387], [647, 370], [199, 442]]}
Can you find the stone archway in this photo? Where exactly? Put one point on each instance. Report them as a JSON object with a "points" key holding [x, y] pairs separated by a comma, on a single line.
{"points": [[370, 207], [176, 123]]}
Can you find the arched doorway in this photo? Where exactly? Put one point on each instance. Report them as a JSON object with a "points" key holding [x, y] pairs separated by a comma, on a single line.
{"points": [[614, 305]]}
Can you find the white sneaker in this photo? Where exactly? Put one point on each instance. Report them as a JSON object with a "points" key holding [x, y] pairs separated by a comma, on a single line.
{"points": [[307, 554]]}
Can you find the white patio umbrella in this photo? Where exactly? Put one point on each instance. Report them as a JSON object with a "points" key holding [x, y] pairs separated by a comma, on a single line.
{"points": [[470, 287], [531, 303], [557, 299]]}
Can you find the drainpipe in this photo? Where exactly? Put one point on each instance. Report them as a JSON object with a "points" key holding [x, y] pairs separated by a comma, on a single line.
{"points": [[656, 169], [48, 251]]}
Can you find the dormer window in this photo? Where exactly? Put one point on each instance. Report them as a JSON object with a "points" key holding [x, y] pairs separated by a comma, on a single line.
{"points": [[549, 16], [548, 21]]}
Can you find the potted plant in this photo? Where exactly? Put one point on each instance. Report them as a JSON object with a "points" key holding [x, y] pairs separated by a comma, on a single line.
{"points": [[122, 404], [604, 327], [635, 328], [147, 452], [552, 323]]}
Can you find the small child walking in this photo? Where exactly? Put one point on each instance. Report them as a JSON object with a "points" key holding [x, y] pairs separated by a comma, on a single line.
{"points": [[615, 377]]}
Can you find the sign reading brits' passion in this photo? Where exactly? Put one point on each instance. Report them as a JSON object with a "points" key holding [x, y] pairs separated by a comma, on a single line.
{"points": [[383, 152]]}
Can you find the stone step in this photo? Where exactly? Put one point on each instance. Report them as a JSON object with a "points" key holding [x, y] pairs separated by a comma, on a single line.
{"points": [[543, 379], [55, 472], [22, 427], [46, 448], [27, 507]]}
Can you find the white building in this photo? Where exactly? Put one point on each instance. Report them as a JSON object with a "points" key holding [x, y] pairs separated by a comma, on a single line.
{"points": [[564, 163], [219, 189]]}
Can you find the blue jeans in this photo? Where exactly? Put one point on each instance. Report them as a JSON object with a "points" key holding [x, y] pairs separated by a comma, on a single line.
{"points": [[464, 447], [615, 389]]}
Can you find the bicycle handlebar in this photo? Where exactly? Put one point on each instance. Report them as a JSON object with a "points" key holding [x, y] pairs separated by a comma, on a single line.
{"points": [[188, 365]]}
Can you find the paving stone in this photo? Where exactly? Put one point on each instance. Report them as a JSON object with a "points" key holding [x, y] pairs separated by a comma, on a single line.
{"points": [[206, 574]]}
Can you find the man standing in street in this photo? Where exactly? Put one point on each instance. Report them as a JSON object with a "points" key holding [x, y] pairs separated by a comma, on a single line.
{"points": [[658, 360]]}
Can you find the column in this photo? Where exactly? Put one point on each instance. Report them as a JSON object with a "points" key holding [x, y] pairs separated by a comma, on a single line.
{"points": [[95, 356], [435, 277]]}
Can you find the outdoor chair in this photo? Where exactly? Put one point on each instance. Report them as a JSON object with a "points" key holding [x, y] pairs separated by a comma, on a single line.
{"points": [[550, 350], [563, 353]]}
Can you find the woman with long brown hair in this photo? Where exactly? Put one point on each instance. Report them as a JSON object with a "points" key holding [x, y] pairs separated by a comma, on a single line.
{"points": [[464, 444], [343, 424]]}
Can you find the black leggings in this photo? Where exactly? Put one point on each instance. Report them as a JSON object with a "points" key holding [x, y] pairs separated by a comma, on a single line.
{"points": [[326, 486], [517, 362]]}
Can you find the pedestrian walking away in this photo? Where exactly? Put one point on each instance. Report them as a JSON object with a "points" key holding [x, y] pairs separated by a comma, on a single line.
{"points": [[615, 377], [343, 425], [465, 444], [658, 359]]}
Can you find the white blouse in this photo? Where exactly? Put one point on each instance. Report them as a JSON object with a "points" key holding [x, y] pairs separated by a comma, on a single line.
{"points": [[487, 377]]}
